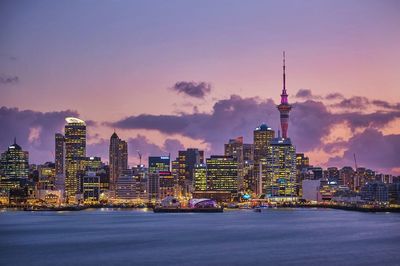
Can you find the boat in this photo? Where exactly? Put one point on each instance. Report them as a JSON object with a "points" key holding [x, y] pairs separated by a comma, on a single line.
{"points": [[187, 210]]}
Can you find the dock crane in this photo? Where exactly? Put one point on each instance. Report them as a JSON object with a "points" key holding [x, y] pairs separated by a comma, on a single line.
{"points": [[140, 157]]}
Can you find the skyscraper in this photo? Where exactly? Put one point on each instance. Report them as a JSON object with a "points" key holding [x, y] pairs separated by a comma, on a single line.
{"points": [[241, 153], [14, 162], [281, 170], [262, 137], [118, 155], [75, 153], [284, 108], [59, 154], [186, 162]]}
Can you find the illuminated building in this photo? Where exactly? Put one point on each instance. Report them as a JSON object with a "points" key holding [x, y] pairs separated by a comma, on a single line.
{"points": [[222, 174], [242, 154], [200, 177], [153, 186], [262, 137], [333, 175], [141, 174], [14, 162], [167, 185], [59, 154], [159, 163], [118, 155], [375, 192], [46, 176], [186, 161], [281, 170], [75, 153], [346, 177], [91, 188], [127, 188]]}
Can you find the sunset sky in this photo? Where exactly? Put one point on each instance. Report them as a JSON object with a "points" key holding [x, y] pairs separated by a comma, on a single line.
{"points": [[168, 75]]}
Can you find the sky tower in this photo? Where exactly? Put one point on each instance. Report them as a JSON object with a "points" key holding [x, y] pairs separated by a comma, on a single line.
{"points": [[284, 108]]}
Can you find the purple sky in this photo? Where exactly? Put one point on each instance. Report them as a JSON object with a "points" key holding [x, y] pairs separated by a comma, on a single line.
{"points": [[169, 75]]}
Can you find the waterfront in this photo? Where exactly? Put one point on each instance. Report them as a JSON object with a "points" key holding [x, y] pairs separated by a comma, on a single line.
{"points": [[239, 237]]}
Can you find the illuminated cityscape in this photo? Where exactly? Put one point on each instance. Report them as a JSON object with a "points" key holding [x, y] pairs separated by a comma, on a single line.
{"points": [[267, 171], [199, 132]]}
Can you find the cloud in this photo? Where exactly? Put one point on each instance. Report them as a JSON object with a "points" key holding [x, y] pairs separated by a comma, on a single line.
{"points": [[373, 150], [139, 143], [33, 130], [310, 122], [192, 89], [356, 102], [334, 96], [8, 79], [306, 94]]}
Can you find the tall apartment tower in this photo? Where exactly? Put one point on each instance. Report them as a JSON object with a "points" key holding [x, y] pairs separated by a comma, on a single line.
{"points": [[118, 158], [75, 154], [59, 154]]}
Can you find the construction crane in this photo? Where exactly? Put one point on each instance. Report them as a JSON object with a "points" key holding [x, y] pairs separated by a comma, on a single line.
{"points": [[140, 157]]}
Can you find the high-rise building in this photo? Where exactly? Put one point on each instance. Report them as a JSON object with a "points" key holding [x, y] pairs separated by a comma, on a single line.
{"points": [[200, 177], [217, 180], [75, 153], [59, 154], [186, 161], [284, 108], [281, 170], [159, 163], [242, 154], [222, 174], [333, 175], [167, 185], [118, 155], [14, 162], [91, 187], [262, 137], [127, 187]]}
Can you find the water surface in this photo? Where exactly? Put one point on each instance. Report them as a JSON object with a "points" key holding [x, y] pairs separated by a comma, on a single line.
{"points": [[136, 237]]}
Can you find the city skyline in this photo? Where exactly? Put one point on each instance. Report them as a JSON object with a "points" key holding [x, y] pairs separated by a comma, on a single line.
{"points": [[342, 104]]}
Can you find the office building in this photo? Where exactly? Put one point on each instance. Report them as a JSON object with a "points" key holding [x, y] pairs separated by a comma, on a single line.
{"points": [[75, 153], [14, 162], [281, 170], [118, 158]]}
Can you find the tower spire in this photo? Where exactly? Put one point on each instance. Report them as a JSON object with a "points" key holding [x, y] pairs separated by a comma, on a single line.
{"points": [[284, 73], [284, 108]]}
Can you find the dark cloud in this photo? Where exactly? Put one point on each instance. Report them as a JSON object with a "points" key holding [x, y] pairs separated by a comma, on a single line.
{"points": [[386, 105], [373, 150], [376, 120], [356, 102], [8, 79], [139, 143], [34, 130], [192, 89], [229, 117], [310, 121], [334, 96], [306, 94]]}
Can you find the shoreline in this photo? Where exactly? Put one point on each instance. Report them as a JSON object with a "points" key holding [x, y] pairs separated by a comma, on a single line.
{"points": [[299, 206]]}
